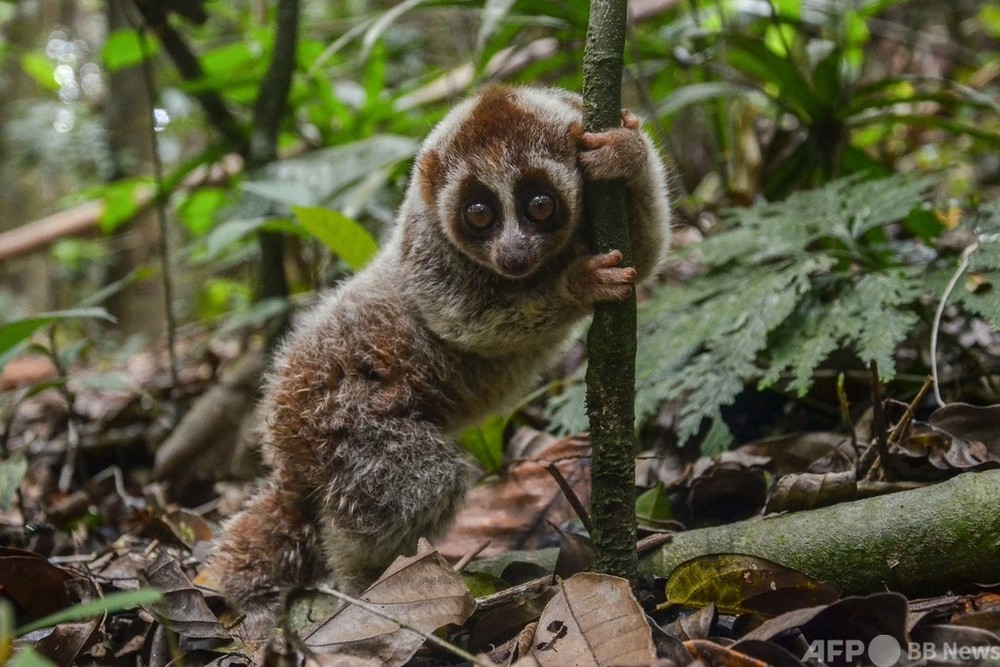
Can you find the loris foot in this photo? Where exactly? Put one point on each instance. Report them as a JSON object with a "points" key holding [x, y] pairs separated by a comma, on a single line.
{"points": [[601, 278], [616, 155]]}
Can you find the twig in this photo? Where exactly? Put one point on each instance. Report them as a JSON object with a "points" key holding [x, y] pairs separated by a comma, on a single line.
{"points": [[845, 414], [650, 542], [160, 208], [571, 496], [963, 264], [508, 595], [467, 558], [72, 420], [904, 422], [878, 422], [429, 636]]}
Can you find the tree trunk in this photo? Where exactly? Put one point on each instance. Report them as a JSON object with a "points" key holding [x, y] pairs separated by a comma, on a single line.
{"points": [[139, 307], [611, 341]]}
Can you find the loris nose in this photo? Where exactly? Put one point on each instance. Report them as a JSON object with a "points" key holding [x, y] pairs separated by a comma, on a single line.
{"points": [[514, 257], [515, 264]]}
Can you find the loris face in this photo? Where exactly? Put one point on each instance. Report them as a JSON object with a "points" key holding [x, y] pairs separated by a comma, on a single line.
{"points": [[500, 172]]}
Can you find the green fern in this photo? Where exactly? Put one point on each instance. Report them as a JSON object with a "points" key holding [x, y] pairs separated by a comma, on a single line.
{"points": [[790, 283]]}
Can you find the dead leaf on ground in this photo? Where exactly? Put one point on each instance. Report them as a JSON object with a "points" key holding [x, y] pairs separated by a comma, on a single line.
{"points": [[955, 437], [711, 654], [500, 625], [697, 625], [801, 451], [33, 583], [422, 591], [514, 512], [856, 618], [593, 620], [957, 637], [809, 490], [183, 608], [67, 640], [737, 584], [724, 488]]}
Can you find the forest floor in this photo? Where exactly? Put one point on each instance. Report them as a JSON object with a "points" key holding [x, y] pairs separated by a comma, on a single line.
{"points": [[106, 536]]}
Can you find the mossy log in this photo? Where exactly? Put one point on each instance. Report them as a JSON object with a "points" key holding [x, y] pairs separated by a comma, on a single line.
{"points": [[919, 542]]}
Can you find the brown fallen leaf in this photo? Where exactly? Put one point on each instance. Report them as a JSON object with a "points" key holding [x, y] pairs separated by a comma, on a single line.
{"points": [[183, 608], [32, 582], [955, 437], [857, 619], [421, 591], [514, 512], [711, 654], [593, 620], [67, 640], [808, 490]]}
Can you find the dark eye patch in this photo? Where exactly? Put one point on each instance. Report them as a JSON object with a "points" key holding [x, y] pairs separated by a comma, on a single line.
{"points": [[539, 203], [478, 208]]}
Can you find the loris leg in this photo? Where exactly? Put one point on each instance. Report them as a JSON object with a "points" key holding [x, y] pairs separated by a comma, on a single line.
{"points": [[399, 480], [268, 549]]}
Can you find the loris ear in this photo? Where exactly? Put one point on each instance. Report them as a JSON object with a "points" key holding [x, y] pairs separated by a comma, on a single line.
{"points": [[431, 176]]}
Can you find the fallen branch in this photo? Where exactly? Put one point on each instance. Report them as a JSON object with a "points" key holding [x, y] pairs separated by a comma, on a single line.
{"points": [[918, 542], [33, 236]]}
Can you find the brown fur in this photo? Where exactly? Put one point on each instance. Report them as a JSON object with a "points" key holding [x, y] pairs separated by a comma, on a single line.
{"points": [[367, 393]]}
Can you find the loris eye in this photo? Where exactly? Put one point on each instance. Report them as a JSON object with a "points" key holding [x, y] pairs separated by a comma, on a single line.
{"points": [[540, 208], [478, 215]]}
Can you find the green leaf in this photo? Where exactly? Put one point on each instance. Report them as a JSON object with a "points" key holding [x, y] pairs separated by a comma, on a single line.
{"points": [[11, 474], [41, 70], [124, 48], [314, 179], [989, 16], [229, 233], [254, 318], [122, 201], [485, 442], [653, 506], [344, 237], [111, 603], [696, 93], [198, 210], [738, 583], [789, 283], [18, 331], [794, 92], [28, 657]]}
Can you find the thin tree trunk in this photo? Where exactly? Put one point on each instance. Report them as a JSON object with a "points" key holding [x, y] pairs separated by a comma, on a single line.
{"points": [[127, 117], [611, 341], [268, 111]]}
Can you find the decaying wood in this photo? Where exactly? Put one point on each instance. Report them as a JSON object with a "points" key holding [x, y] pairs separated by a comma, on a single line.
{"points": [[214, 422], [918, 542]]}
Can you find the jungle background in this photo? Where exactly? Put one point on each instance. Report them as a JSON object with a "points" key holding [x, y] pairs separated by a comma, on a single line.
{"points": [[179, 179]]}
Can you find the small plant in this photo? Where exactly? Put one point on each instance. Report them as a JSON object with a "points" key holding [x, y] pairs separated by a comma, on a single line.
{"points": [[811, 69]]}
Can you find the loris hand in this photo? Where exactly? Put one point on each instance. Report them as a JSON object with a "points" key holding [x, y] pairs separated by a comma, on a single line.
{"points": [[601, 278], [616, 155]]}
